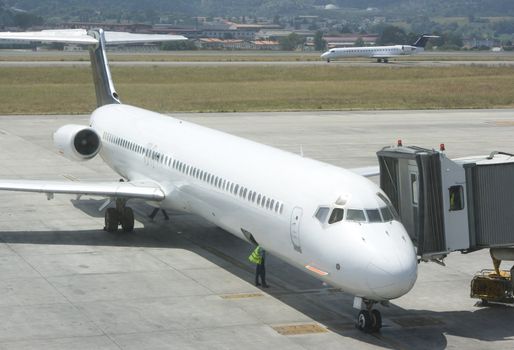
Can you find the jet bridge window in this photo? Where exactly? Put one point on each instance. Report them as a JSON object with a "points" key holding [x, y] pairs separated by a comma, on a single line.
{"points": [[456, 198], [414, 188], [336, 216]]}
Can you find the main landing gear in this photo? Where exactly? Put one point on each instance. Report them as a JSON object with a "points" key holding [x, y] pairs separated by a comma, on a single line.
{"points": [[121, 215], [385, 60], [369, 320]]}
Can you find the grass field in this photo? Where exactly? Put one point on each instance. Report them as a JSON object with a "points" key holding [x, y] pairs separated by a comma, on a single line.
{"points": [[54, 90]]}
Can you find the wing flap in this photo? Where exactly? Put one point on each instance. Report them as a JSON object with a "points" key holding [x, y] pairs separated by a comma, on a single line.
{"points": [[143, 190]]}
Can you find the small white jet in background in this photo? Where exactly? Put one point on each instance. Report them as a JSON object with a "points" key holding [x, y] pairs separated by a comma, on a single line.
{"points": [[331, 222], [381, 53]]}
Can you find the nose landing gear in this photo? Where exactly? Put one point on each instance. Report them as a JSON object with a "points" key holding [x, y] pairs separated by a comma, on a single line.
{"points": [[369, 320]]}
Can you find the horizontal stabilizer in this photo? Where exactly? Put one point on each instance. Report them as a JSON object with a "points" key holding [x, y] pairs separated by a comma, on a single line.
{"points": [[81, 36], [147, 191], [72, 36], [113, 38]]}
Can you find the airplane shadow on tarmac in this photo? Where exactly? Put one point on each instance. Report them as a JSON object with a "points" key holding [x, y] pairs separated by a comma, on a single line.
{"points": [[422, 329]]}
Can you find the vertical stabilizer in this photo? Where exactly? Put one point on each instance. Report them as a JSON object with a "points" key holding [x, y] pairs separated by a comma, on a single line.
{"points": [[104, 87], [423, 39]]}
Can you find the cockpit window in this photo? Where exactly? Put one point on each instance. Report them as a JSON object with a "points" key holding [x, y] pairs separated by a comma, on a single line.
{"points": [[387, 215], [373, 215], [336, 216], [389, 205], [355, 215], [321, 214]]}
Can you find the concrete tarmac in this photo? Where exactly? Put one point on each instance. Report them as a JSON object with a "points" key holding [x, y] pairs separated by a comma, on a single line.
{"points": [[185, 284]]}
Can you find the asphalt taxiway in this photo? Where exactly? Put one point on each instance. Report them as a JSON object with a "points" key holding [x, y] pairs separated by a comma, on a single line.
{"points": [[185, 284]]}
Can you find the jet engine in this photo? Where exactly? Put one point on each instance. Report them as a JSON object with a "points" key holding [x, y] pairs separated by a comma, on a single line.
{"points": [[77, 142]]}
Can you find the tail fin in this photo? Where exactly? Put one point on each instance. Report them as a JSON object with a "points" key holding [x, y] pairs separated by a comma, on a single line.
{"points": [[423, 39], [96, 40]]}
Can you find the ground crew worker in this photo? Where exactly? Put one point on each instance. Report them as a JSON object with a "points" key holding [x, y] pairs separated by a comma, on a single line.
{"points": [[257, 257]]}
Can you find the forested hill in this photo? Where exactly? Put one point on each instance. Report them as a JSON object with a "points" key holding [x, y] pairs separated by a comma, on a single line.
{"points": [[150, 10]]}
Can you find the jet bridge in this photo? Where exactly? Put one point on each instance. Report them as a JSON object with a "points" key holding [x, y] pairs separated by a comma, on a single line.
{"points": [[450, 205], [462, 205]]}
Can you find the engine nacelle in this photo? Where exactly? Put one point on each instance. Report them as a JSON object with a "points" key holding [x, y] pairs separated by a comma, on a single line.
{"points": [[77, 142]]}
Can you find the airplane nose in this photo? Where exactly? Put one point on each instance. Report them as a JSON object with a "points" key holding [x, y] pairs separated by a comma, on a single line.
{"points": [[392, 277]]}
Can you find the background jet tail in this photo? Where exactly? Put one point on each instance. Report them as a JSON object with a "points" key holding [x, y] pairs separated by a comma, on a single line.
{"points": [[96, 41], [423, 39]]}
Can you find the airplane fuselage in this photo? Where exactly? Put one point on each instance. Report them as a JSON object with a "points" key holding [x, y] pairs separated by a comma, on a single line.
{"points": [[371, 52], [262, 194]]}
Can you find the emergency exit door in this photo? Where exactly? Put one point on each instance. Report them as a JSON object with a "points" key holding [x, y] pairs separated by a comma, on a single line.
{"points": [[296, 217]]}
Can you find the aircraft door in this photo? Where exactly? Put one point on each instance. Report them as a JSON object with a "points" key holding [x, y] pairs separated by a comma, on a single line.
{"points": [[296, 217], [146, 154]]}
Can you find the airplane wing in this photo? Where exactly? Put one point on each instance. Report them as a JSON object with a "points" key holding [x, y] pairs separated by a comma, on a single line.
{"points": [[134, 190], [385, 56], [368, 171]]}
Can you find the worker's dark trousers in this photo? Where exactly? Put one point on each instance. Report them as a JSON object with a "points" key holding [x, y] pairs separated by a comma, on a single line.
{"points": [[261, 271]]}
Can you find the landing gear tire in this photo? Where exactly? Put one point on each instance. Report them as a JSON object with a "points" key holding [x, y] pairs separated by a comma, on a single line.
{"points": [[386, 60], [379, 60], [112, 220], [364, 322], [127, 220], [376, 321]]}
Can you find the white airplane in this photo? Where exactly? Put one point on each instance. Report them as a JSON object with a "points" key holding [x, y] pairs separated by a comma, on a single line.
{"points": [[330, 222], [381, 53]]}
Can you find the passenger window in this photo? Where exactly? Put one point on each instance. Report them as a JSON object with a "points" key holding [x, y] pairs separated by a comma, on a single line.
{"points": [[336, 216], [281, 208], [355, 215], [236, 189], [373, 215], [321, 214], [456, 198]]}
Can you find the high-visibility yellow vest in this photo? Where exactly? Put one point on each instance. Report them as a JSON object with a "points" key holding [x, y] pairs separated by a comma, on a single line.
{"points": [[255, 257]]}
